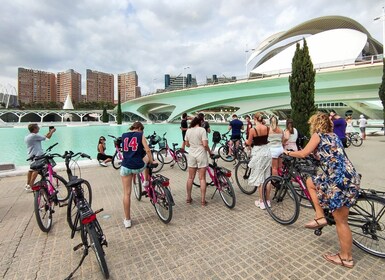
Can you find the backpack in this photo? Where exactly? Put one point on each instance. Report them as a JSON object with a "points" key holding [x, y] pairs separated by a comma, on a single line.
{"points": [[216, 137]]}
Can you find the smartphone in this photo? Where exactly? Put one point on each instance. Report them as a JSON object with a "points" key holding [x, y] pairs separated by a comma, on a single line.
{"points": [[51, 127]]}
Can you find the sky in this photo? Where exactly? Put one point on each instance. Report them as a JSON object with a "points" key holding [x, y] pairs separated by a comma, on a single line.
{"points": [[154, 37]]}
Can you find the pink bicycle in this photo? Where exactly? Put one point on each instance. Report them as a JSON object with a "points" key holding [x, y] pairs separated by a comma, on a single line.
{"points": [[118, 155]]}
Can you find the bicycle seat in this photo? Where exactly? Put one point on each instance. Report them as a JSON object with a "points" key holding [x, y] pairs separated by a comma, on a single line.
{"points": [[215, 157], [74, 182], [153, 165]]}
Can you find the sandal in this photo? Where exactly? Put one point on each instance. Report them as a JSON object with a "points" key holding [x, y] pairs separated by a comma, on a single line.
{"points": [[316, 225], [204, 203], [189, 201], [340, 261]]}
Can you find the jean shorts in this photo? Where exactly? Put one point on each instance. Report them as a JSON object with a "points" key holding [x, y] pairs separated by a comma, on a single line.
{"points": [[124, 171]]}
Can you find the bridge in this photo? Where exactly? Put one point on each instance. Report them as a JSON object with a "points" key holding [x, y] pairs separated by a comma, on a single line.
{"points": [[350, 84]]}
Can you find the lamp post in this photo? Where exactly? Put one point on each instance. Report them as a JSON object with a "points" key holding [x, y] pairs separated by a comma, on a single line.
{"points": [[246, 51], [183, 81], [383, 29]]}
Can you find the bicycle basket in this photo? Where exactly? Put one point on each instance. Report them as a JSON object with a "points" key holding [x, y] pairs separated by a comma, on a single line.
{"points": [[162, 144], [38, 164], [307, 169], [154, 139], [52, 162]]}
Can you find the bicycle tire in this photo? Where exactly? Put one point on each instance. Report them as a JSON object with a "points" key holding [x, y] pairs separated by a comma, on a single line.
{"points": [[241, 155], [43, 211], [157, 156], [137, 184], [284, 208], [116, 161], [242, 174], [167, 158], [163, 205], [72, 210], [226, 191], [59, 183], [96, 246], [356, 140], [366, 220], [223, 153], [181, 160]]}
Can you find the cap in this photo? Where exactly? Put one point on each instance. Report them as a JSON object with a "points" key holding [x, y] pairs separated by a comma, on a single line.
{"points": [[362, 116]]}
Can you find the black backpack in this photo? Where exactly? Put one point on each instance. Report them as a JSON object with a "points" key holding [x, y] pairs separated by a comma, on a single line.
{"points": [[216, 137]]}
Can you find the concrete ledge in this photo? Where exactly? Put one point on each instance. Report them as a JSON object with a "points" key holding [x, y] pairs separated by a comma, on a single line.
{"points": [[6, 166]]}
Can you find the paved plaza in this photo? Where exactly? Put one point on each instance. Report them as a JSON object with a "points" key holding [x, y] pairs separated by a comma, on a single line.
{"points": [[199, 243]]}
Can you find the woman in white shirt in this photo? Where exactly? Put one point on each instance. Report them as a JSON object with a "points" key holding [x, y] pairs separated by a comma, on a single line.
{"points": [[290, 136], [275, 144]]}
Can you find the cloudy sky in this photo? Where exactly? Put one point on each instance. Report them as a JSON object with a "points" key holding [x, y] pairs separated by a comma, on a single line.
{"points": [[154, 37]]}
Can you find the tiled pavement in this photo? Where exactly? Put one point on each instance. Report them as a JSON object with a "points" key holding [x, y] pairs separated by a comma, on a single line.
{"points": [[199, 243]]}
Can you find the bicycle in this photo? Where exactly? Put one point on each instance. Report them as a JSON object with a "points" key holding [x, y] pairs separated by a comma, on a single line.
{"points": [[158, 192], [49, 191], [173, 155], [118, 155], [85, 220], [242, 174], [232, 149], [219, 177], [366, 218], [354, 139]]}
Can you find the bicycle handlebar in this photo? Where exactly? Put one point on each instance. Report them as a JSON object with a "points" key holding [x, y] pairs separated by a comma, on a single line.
{"points": [[50, 148]]}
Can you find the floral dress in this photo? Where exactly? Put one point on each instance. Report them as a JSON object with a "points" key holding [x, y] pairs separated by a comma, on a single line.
{"points": [[337, 182]]}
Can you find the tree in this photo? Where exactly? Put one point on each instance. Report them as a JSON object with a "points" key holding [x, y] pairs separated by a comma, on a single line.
{"points": [[119, 112], [381, 93], [302, 80], [105, 115]]}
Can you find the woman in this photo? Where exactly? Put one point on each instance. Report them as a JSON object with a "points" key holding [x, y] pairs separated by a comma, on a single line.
{"points": [[102, 157], [134, 149], [197, 159], [335, 187], [260, 163], [290, 136], [275, 144], [349, 125]]}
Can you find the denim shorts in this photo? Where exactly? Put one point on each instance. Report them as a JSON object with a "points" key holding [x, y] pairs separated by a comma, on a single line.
{"points": [[124, 171]]}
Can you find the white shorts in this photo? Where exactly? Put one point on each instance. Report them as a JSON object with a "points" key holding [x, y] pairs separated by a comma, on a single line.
{"points": [[197, 162], [276, 151]]}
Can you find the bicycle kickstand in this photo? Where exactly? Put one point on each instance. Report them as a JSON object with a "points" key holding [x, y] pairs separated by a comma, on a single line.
{"points": [[214, 193]]}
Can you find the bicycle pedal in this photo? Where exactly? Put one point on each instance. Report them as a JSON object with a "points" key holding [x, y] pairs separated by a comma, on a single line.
{"points": [[63, 205], [144, 193], [52, 211], [77, 247]]}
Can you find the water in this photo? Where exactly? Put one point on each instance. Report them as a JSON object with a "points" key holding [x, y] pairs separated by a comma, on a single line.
{"points": [[80, 139]]}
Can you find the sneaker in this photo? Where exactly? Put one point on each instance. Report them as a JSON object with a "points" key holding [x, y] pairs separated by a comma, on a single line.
{"points": [[268, 203], [262, 205], [127, 223], [146, 184], [28, 188], [103, 164], [256, 203], [229, 157]]}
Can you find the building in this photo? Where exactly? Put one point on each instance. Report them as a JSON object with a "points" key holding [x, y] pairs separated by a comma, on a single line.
{"points": [[35, 86], [69, 83], [179, 82], [128, 88], [100, 86], [220, 80]]}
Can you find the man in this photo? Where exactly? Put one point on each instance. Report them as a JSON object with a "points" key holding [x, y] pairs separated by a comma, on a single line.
{"points": [[249, 126], [362, 122], [33, 141], [339, 127], [183, 127], [204, 124], [235, 126]]}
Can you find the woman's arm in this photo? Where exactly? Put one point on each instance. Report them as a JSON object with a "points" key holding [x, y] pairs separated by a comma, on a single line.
{"points": [[310, 147], [147, 149], [286, 136], [249, 140]]}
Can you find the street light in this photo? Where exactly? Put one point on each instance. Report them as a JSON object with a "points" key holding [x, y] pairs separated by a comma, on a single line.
{"points": [[183, 81], [383, 29], [246, 51]]}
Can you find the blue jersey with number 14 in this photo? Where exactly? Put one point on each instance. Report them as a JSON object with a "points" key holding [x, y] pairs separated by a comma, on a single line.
{"points": [[133, 150]]}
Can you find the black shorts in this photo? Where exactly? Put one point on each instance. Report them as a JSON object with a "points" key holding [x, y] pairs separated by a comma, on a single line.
{"points": [[103, 156], [235, 137]]}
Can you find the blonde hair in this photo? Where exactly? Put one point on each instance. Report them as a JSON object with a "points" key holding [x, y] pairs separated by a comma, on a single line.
{"points": [[320, 123], [258, 116], [273, 122]]}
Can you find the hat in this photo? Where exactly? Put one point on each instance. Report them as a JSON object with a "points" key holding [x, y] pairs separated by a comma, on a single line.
{"points": [[362, 116]]}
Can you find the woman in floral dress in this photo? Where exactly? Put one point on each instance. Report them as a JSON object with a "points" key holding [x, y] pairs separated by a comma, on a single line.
{"points": [[335, 186]]}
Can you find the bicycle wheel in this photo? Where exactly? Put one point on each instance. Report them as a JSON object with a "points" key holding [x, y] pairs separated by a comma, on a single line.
{"points": [[241, 155], [116, 161], [209, 181], [284, 205], [43, 211], [356, 140], [181, 160], [72, 210], [226, 191], [348, 141], [96, 246], [167, 158], [59, 183], [242, 174], [137, 184], [223, 153], [157, 156], [163, 205], [367, 223]]}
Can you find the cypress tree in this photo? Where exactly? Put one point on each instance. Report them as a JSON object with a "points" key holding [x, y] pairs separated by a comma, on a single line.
{"points": [[302, 80], [119, 112], [105, 115], [381, 93]]}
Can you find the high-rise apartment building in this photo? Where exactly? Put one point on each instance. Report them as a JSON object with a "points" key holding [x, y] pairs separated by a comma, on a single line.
{"points": [[36, 86], [179, 82], [128, 88], [100, 86], [69, 83]]}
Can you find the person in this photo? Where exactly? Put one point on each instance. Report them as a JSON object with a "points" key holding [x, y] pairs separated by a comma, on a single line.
{"points": [[33, 141], [135, 147], [290, 136], [204, 124], [183, 128], [235, 126], [339, 127], [249, 126], [102, 157], [349, 125], [362, 122], [260, 163], [275, 140], [197, 158], [335, 186]]}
